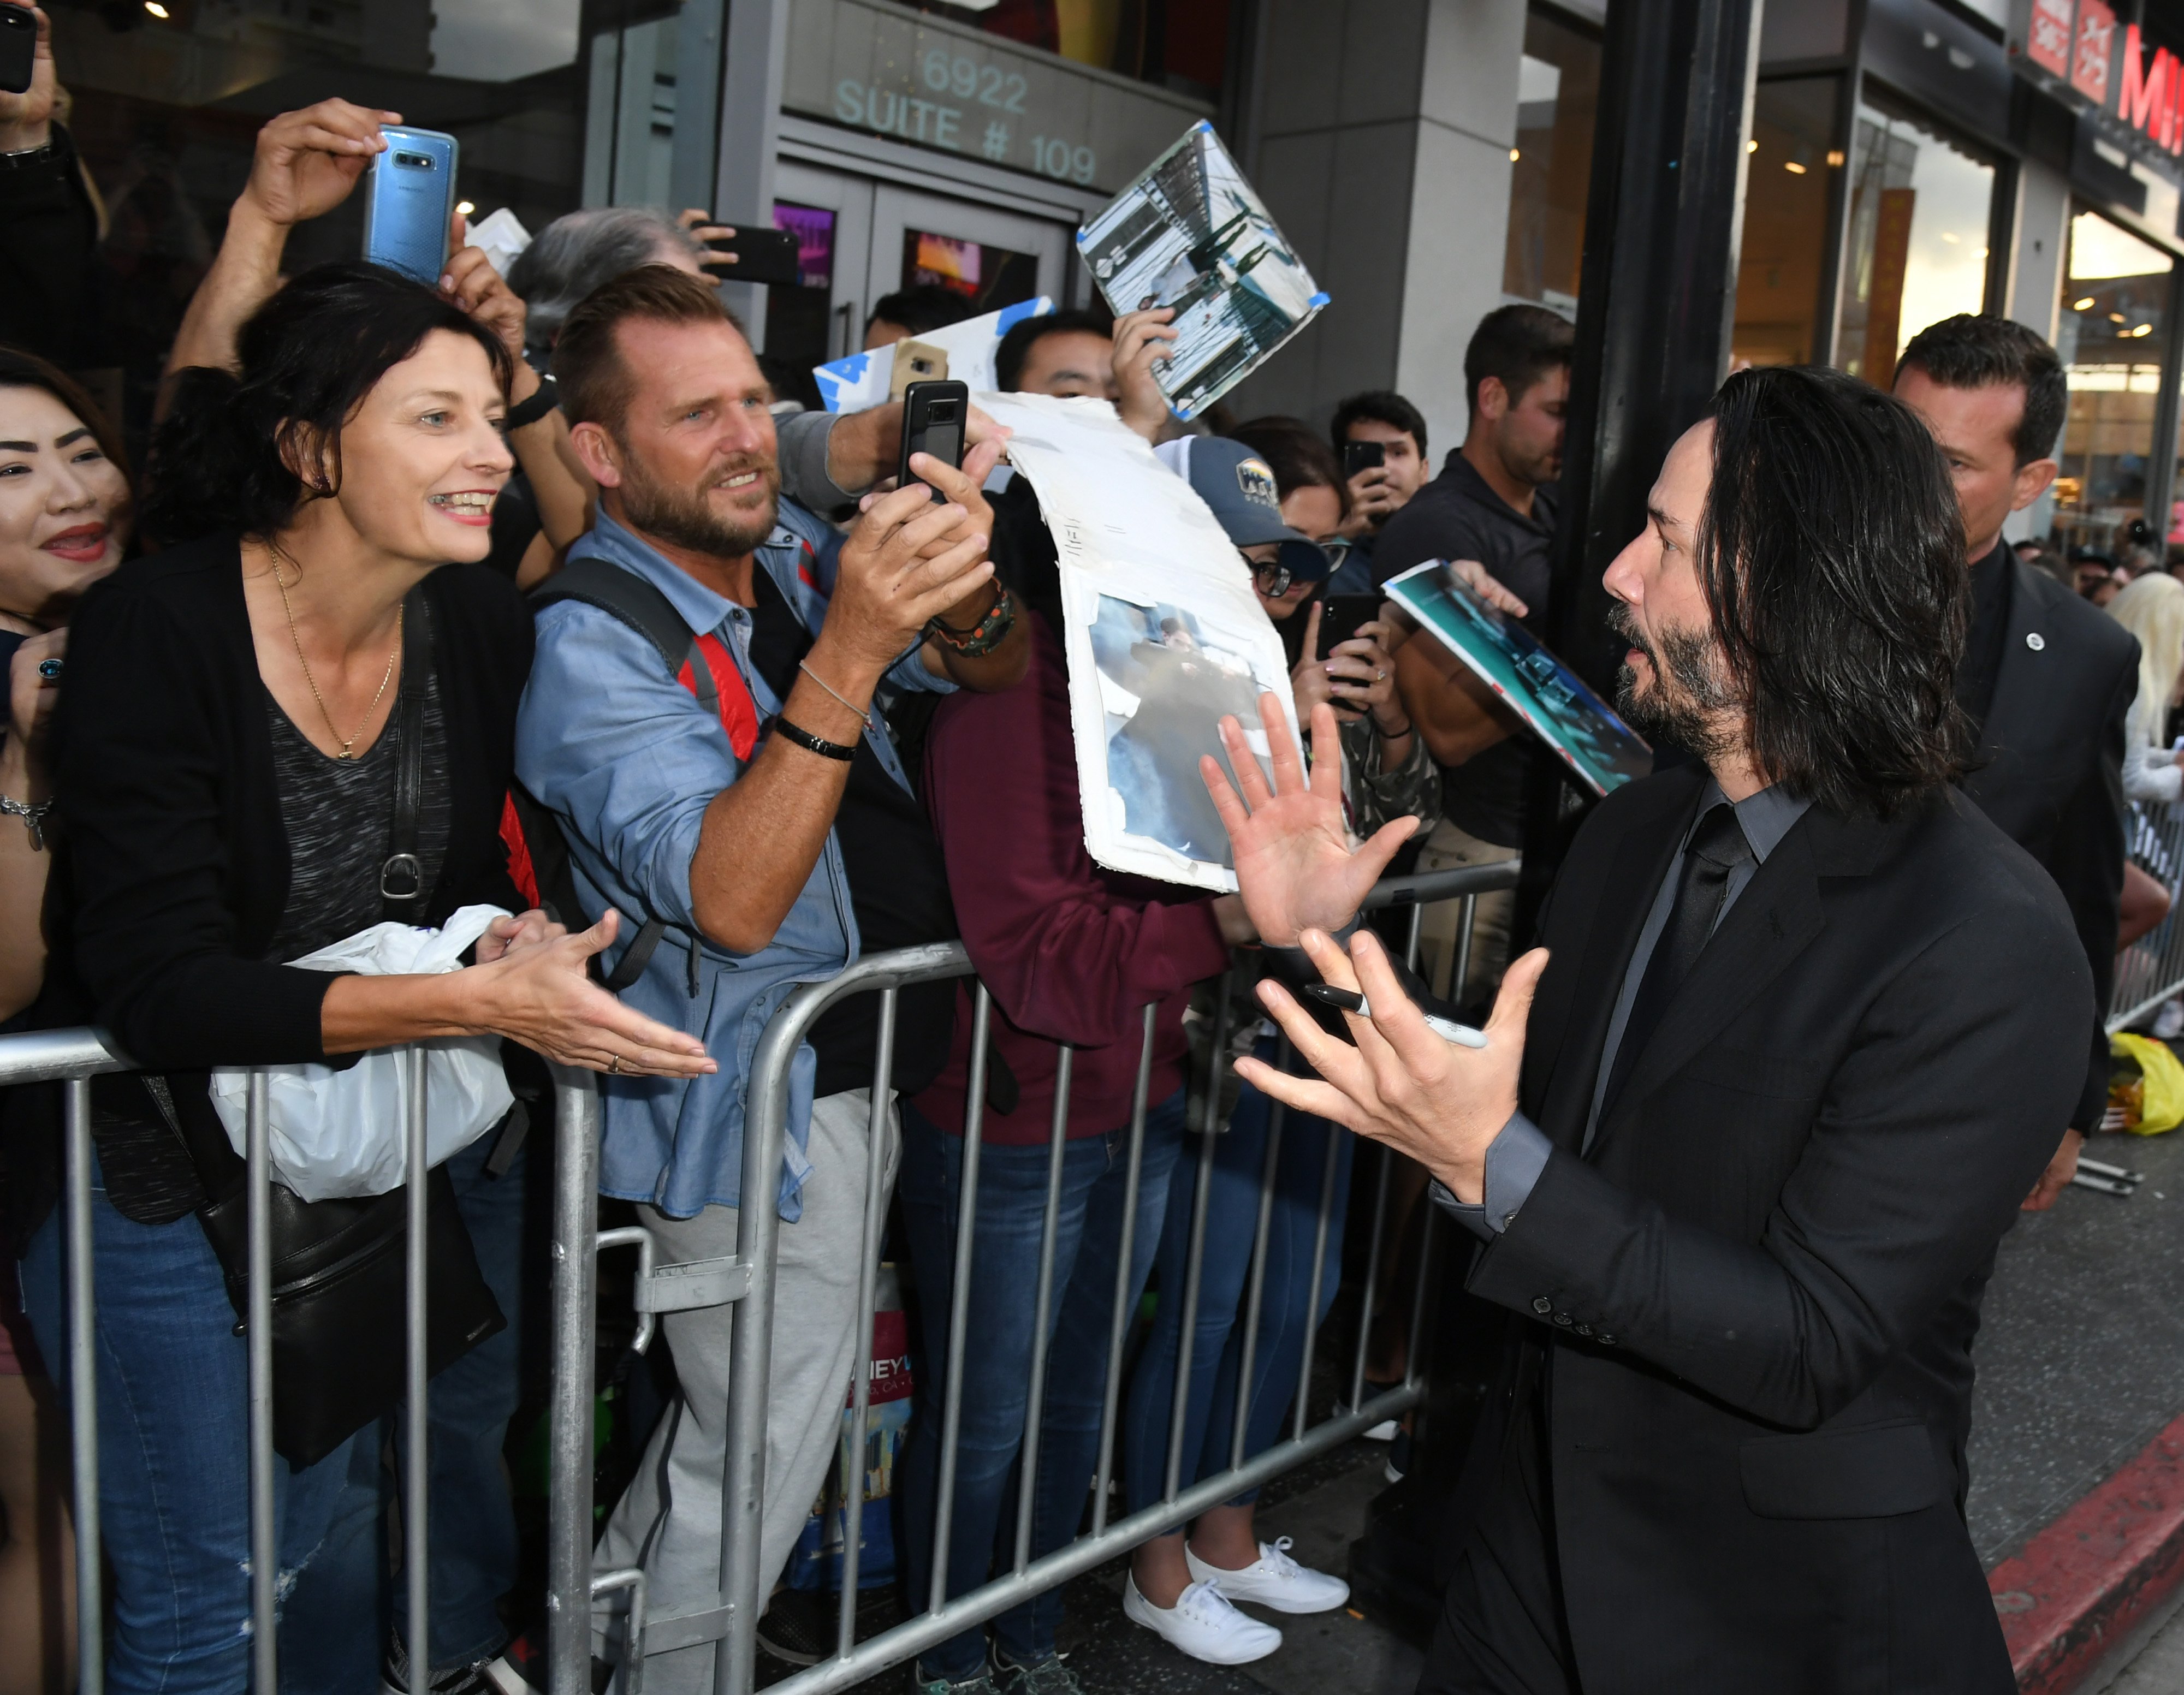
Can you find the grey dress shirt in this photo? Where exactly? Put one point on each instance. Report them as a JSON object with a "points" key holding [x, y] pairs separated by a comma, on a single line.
{"points": [[1518, 1154]]}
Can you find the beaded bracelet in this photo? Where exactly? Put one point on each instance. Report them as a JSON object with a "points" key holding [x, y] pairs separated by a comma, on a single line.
{"points": [[984, 636]]}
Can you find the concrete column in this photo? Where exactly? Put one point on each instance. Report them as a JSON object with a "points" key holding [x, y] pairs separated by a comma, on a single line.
{"points": [[1384, 128], [751, 134], [2041, 237]]}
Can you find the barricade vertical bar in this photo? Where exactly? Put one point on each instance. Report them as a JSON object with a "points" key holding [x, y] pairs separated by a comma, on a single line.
{"points": [[959, 1297], [1466, 914], [1387, 1164], [1319, 1274], [1411, 936], [1276, 1112], [576, 1292], [1118, 1322], [1193, 1265], [264, 1542], [868, 1278], [1042, 1305], [417, 1493], [83, 1390], [1412, 1367]]}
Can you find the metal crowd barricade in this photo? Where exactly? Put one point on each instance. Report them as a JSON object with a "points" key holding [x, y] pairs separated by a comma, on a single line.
{"points": [[72, 1057], [2151, 969], [747, 1279]]}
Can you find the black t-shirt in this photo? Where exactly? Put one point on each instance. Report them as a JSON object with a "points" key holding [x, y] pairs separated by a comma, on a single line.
{"points": [[897, 888], [1458, 516]]}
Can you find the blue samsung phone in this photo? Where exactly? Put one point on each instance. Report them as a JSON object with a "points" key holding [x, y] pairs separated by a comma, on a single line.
{"points": [[410, 196]]}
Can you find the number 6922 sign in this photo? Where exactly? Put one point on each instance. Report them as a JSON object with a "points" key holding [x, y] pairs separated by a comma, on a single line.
{"points": [[891, 72]]}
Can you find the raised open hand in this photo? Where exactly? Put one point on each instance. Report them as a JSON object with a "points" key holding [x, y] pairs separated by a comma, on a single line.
{"points": [[1293, 863]]}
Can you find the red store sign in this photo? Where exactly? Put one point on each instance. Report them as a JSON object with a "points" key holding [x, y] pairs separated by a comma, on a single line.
{"points": [[2078, 41]]}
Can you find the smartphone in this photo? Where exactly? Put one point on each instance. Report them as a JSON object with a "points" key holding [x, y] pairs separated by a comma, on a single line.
{"points": [[19, 48], [933, 414], [1361, 456], [762, 255], [1340, 616], [916, 361], [409, 199]]}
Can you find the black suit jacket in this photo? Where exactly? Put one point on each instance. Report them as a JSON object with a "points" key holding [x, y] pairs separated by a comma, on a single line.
{"points": [[2049, 770], [1754, 1299]]}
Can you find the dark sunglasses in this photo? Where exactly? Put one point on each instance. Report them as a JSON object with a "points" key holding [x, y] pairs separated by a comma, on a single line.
{"points": [[1273, 579]]}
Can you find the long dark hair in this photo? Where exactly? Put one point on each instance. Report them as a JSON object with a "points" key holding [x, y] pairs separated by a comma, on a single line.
{"points": [[307, 358], [20, 370], [1832, 554]]}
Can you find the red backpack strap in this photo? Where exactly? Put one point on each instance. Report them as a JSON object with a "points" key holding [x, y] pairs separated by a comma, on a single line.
{"points": [[521, 870], [731, 699]]}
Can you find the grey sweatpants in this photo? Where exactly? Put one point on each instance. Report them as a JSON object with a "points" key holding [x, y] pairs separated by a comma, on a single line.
{"points": [[669, 1520]]}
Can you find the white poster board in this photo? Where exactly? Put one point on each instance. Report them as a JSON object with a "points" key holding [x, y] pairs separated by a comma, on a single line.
{"points": [[860, 381], [1164, 636]]}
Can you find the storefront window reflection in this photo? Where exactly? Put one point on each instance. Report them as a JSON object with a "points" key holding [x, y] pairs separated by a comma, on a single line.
{"points": [[2112, 332], [1920, 210], [1791, 166], [1558, 84], [164, 112]]}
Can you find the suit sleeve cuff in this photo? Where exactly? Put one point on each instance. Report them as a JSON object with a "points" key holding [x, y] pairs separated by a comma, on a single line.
{"points": [[1514, 1160]]}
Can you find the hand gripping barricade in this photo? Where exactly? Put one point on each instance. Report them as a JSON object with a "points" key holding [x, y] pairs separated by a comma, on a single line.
{"points": [[747, 1279], [72, 1057]]}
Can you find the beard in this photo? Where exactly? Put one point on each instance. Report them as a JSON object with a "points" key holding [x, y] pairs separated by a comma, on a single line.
{"points": [[685, 517], [1689, 702]]}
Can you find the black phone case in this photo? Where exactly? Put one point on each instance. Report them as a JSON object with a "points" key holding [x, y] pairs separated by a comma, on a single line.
{"points": [[1356, 457], [762, 255], [917, 401], [19, 48], [1340, 616]]}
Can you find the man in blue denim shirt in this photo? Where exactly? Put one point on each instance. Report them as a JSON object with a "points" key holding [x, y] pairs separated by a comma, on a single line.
{"points": [[723, 828]]}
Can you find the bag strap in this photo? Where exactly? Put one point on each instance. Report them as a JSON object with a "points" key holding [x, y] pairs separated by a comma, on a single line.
{"points": [[402, 878], [624, 595], [627, 596]]}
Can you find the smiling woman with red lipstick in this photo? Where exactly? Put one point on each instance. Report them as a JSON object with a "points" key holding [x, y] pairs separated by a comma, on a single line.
{"points": [[64, 510]]}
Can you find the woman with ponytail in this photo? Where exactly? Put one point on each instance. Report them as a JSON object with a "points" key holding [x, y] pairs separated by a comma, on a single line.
{"points": [[226, 757]]}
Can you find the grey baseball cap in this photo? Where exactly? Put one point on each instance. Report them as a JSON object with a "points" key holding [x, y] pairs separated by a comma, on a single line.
{"points": [[1240, 486]]}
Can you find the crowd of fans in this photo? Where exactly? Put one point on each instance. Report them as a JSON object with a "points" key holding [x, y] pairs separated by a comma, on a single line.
{"points": [[245, 682]]}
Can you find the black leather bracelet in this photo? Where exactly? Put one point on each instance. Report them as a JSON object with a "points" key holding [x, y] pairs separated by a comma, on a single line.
{"points": [[801, 737], [546, 396]]}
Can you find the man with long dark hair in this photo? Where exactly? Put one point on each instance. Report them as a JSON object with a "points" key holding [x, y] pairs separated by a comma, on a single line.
{"points": [[1746, 1131]]}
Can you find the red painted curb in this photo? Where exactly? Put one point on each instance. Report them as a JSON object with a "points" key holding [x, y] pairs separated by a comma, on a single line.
{"points": [[2084, 1582]]}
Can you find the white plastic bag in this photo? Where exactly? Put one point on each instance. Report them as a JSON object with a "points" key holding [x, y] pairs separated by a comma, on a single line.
{"points": [[341, 1133]]}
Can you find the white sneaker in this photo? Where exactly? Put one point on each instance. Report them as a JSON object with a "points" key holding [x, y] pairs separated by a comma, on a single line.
{"points": [[1275, 1580], [1202, 1625]]}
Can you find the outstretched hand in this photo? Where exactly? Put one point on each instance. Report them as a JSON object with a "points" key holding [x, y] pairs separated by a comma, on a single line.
{"points": [[1439, 1102], [1293, 862]]}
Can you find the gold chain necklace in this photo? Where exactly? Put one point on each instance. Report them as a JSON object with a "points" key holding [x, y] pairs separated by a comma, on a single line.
{"points": [[386, 677]]}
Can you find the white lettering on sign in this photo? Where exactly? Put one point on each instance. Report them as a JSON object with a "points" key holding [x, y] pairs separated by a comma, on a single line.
{"points": [[889, 112]]}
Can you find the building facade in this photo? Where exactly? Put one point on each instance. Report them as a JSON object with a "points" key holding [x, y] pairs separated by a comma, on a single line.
{"points": [[1428, 159]]}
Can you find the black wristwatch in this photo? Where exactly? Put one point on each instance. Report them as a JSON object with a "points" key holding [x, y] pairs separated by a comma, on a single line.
{"points": [[530, 411]]}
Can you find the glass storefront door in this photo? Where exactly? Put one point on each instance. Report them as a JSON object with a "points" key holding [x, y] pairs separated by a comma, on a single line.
{"points": [[1921, 203], [2112, 333]]}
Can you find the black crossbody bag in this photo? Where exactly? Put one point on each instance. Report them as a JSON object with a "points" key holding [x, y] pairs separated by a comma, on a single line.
{"points": [[340, 1267]]}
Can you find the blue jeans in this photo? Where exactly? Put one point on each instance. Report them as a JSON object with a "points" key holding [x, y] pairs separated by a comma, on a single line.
{"points": [[173, 1480], [997, 1364], [173, 1476], [1232, 1221]]}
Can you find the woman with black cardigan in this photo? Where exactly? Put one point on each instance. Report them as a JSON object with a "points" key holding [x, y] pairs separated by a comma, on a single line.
{"points": [[227, 751]]}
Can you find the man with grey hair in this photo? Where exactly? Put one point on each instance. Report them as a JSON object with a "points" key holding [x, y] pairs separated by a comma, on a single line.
{"points": [[580, 250]]}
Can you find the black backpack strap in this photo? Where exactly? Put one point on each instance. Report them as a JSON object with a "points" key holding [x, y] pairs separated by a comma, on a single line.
{"points": [[627, 596]]}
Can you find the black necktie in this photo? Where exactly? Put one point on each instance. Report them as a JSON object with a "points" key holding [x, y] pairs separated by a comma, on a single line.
{"points": [[1717, 847]]}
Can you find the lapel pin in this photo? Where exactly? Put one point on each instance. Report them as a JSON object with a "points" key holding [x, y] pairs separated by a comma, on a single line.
{"points": [[2035, 640]]}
